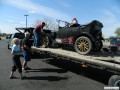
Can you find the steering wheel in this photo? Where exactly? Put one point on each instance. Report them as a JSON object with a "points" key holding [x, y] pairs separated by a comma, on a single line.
{"points": [[67, 24]]}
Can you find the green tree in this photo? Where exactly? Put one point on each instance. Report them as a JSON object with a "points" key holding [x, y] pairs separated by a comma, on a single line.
{"points": [[117, 32]]}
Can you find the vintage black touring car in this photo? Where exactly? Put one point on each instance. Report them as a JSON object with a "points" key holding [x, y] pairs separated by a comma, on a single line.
{"points": [[85, 38]]}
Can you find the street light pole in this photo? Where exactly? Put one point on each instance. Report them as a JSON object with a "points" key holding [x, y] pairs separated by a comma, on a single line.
{"points": [[26, 19]]}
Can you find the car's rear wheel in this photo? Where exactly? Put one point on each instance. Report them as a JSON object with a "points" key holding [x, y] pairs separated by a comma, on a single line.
{"points": [[83, 45], [45, 41]]}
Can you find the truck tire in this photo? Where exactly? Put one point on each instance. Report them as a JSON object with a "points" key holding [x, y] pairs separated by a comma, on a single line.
{"points": [[114, 81], [83, 45]]}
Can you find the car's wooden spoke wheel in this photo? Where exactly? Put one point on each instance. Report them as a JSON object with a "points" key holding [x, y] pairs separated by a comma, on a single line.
{"points": [[83, 45], [45, 41]]}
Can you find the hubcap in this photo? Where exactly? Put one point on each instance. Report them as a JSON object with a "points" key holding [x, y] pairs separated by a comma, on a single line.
{"points": [[83, 45]]}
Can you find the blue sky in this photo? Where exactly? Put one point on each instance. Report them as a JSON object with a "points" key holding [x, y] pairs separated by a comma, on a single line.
{"points": [[106, 11]]}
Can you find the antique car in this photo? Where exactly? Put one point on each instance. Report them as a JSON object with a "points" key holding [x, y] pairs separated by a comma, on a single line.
{"points": [[85, 38]]}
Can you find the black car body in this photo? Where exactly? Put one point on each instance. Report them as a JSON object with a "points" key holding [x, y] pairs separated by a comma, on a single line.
{"points": [[85, 38]]}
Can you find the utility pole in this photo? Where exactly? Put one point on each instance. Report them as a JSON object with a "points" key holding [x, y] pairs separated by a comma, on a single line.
{"points": [[26, 19]]}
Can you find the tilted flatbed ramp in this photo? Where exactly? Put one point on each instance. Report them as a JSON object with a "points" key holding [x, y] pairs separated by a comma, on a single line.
{"points": [[102, 60]]}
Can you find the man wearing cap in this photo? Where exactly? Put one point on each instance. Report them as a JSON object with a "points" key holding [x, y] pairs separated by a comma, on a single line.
{"points": [[37, 34]]}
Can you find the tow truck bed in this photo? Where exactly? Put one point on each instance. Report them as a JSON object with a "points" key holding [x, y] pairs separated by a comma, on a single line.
{"points": [[105, 61]]}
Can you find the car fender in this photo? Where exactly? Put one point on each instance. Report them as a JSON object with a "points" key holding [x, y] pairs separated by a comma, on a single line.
{"points": [[87, 35]]}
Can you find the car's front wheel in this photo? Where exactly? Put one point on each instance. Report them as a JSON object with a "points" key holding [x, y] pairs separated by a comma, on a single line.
{"points": [[83, 45]]}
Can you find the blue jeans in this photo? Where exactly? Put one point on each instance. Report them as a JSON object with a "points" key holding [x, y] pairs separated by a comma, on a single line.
{"points": [[36, 38]]}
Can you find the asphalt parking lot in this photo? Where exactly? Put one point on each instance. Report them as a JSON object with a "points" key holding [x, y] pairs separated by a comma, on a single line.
{"points": [[49, 74]]}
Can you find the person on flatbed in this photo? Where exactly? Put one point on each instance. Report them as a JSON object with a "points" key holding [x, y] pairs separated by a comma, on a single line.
{"points": [[37, 34]]}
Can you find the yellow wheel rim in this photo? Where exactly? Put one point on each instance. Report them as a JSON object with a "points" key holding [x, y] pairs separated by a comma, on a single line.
{"points": [[83, 45], [45, 41]]}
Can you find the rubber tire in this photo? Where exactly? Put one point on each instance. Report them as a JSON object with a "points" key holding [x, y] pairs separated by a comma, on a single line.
{"points": [[114, 79], [90, 45], [48, 42]]}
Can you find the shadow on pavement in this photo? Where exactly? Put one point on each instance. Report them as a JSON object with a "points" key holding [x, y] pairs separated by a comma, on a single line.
{"points": [[49, 78], [89, 72], [39, 56], [48, 70]]}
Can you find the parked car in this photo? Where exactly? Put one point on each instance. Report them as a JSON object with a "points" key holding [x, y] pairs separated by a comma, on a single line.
{"points": [[85, 38], [115, 42], [20, 35], [15, 35]]}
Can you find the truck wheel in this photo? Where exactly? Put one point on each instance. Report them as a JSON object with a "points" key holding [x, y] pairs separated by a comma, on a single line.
{"points": [[45, 41], [83, 45], [114, 81]]}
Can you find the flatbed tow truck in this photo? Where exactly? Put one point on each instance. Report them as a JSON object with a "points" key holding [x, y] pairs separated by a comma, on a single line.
{"points": [[104, 61]]}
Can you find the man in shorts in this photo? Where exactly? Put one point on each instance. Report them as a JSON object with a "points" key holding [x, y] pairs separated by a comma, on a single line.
{"points": [[26, 51]]}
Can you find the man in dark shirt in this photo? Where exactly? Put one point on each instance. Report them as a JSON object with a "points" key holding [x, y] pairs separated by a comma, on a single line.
{"points": [[26, 50], [37, 34]]}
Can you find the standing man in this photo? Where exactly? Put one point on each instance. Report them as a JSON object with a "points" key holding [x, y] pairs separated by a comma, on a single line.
{"points": [[26, 50], [37, 34]]}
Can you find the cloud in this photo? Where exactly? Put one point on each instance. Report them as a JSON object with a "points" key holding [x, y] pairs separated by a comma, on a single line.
{"points": [[22, 22], [64, 4], [39, 9], [7, 28], [116, 9], [15, 22], [110, 21], [10, 21]]}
